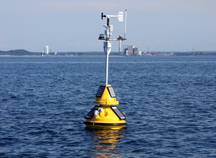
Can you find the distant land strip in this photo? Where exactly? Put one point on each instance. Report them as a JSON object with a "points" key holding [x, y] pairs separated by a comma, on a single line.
{"points": [[22, 52]]}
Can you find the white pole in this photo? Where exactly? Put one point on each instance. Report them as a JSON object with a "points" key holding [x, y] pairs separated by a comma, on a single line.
{"points": [[107, 64], [119, 46], [107, 50], [125, 22]]}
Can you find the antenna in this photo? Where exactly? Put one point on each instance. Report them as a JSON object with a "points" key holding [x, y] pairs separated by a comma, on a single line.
{"points": [[125, 23]]}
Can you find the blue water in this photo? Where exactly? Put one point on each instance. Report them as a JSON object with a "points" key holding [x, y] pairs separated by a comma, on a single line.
{"points": [[170, 105]]}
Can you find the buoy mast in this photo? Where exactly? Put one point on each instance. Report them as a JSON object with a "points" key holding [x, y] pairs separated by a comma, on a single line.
{"points": [[108, 33]]}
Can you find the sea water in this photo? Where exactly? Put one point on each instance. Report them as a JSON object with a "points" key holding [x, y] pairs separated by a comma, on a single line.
{"points": [[170, 105]]}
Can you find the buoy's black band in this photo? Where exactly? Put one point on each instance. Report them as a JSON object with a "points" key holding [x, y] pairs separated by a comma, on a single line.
{"points": [[107, 124]]}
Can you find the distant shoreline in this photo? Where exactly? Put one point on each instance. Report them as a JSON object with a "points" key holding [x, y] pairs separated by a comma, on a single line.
{"points": [[24, 53], [12, 56]]}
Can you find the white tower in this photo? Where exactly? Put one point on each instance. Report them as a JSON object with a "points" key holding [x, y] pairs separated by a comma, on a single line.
{"points": [[46, 49]]}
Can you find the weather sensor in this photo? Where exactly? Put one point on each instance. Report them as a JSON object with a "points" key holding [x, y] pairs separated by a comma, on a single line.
{"points": [[108, 33]]}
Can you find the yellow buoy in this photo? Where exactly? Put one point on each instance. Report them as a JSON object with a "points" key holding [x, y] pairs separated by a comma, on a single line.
{"points": [[106, 114]]}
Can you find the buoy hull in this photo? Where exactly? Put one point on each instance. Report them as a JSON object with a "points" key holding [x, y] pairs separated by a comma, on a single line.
{"points": [[110, 116], [106, 113], [104, 126]]}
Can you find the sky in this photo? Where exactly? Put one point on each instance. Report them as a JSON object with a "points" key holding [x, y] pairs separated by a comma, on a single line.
{"points": [[75, 25]]}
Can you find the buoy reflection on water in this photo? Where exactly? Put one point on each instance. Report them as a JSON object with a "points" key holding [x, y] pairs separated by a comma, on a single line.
{"points": [[105, 142]]}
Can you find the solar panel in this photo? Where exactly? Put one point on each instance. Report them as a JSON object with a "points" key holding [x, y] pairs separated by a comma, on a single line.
{"points": [[100, 91], [118, 113], [91, 113], [111, 91]]}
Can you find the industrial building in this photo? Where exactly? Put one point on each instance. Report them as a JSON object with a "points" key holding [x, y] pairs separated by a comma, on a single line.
{"points": [[132, 50]]}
